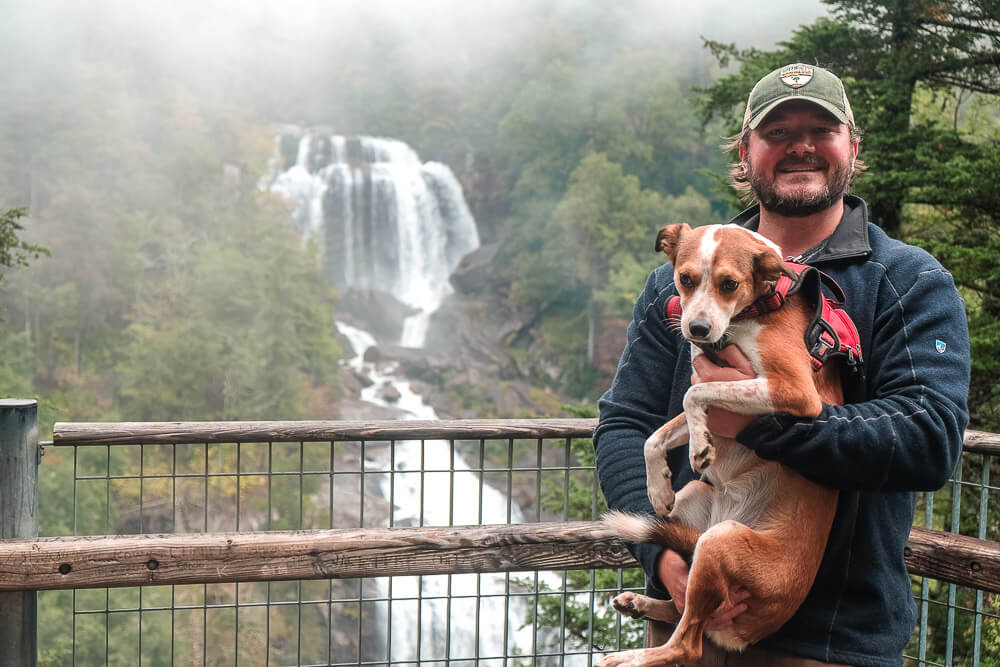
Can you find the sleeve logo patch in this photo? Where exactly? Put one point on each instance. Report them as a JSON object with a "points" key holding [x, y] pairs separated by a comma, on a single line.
{"points": [[940, 346]]}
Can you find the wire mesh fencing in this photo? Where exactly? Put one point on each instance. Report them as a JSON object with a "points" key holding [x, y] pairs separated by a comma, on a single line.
{"points": [[958, 625], [544, 618], [561, 617]]}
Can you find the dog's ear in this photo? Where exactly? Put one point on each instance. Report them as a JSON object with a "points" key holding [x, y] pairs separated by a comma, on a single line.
{"points": [[767, 268], [669, 237]]}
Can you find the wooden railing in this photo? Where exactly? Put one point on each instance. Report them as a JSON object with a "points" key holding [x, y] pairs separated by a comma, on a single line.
{"points": [[87, 562], [31, 563]]}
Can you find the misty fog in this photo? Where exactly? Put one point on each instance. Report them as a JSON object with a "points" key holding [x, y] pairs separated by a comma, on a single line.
{"points": [[270, 57]]}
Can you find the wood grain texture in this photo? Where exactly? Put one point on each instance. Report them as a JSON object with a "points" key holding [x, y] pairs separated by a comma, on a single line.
{"points": [[958, 559], [144, 433], [18, 519], [982, 442], [96, 562]]}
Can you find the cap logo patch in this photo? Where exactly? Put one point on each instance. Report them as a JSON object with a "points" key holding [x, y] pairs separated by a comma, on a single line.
{"points": [[796, 76]]}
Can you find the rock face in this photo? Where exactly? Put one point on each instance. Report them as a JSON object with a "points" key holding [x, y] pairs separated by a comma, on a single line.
{"points": [[475, 325], [379, 313], [484, 345], [483, 356], [474, 272]]}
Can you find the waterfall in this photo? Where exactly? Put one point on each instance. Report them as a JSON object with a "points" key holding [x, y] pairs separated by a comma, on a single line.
{"points": [[416, 502], [382, 219], [385, 221]]}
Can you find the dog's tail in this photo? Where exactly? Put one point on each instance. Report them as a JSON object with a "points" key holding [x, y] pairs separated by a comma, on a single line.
{"points": [[668, 533]]}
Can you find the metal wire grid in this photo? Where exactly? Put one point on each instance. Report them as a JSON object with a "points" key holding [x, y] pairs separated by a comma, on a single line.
{"points": [[124, 489], [958, 625]]}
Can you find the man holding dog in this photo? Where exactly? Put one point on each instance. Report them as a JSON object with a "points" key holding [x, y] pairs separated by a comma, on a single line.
{"points": [[902, 427]]}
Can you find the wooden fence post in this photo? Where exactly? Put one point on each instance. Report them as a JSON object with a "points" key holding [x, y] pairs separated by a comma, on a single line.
{"points": [[18, 518]]}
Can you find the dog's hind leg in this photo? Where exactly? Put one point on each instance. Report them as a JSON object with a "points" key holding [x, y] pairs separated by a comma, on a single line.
{"points": [[636, 605], [671, 435], [708, 590]]}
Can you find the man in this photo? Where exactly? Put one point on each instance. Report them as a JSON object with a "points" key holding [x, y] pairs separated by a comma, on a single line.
{"points": [[902, 428]]}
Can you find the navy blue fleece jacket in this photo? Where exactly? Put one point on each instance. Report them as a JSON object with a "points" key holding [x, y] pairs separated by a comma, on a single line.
{"points": [[901, 432]]}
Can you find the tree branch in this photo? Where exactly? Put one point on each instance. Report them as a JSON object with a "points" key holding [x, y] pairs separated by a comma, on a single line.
{"points": [[966, 84], [961, 26], [988, 58]]}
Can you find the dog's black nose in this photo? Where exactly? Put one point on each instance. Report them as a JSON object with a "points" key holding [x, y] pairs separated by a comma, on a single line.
{"points": [[700, 328]]}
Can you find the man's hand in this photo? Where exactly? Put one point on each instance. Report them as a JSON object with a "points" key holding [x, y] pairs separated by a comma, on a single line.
{"points": [[723, 422], [673, 572]]}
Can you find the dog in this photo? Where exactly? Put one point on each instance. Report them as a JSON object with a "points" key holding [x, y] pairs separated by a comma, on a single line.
{"points": [[749, 524]]}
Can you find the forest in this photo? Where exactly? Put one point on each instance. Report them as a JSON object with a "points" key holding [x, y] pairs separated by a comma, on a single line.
{"points": [[596, 133], [147, 276]]}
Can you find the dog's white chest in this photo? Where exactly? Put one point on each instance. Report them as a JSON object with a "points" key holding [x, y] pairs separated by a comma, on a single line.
{"points": [[743, 489]]}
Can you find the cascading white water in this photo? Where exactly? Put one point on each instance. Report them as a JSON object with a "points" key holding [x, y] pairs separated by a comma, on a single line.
{"points": [[417, 502], [387, 222], [383, 219]]}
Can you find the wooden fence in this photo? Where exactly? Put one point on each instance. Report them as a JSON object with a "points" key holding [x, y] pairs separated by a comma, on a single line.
{"points": [[29, 564]]}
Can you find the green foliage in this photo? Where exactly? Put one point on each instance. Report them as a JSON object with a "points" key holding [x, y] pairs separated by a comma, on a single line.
{"points": [[602, 154], [171, 295], [593, 256], [14, 251], [260, 324]]}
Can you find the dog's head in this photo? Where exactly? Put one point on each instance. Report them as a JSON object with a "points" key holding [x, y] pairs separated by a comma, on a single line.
{"points": [[719, 270]]}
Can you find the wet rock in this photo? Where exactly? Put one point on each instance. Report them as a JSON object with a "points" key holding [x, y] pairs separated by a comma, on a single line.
{"points": [[475, 273], [362, 379], [379, 313], [414, 363], [354, 409], [389, 393]]}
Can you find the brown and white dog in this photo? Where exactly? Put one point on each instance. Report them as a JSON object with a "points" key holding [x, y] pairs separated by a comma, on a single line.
{"points": [[755, 525]]}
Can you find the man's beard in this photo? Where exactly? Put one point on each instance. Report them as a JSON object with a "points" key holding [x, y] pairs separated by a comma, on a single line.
{"points": [[800, 206]]}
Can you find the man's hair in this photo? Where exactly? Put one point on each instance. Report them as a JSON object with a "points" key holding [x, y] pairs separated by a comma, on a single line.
{"points": [[739, 177]]}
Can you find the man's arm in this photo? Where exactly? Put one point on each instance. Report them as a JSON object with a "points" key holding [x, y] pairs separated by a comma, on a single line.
{"points": [[636, 405], [909, 436]]}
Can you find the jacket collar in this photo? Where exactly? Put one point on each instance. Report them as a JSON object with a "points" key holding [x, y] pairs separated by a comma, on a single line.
{"points": [[850, 239]]}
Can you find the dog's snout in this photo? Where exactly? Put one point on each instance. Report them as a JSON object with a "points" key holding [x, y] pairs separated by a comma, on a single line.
{"points": [[700, 328]]}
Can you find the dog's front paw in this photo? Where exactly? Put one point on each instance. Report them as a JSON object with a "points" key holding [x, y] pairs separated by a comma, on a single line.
{"points": [[702, 452], [659, 490], [663, 507]]}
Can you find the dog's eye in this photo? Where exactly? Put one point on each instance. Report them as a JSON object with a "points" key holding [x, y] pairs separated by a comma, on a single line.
{"points": [[729, 286], [685, 280]]}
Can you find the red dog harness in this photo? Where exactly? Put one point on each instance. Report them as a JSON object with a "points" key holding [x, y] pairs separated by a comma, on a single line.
{"points": [[831, 333]]}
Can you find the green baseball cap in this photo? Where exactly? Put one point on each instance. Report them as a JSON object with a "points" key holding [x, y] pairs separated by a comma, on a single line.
{"points": [[798, 82]]}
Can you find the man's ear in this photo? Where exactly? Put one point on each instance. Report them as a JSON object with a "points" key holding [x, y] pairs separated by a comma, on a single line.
{"points": [[669, 237], [767, 268]]}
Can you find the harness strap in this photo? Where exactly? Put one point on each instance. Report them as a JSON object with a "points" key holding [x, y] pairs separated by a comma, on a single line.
{"points": [[831, 333]]}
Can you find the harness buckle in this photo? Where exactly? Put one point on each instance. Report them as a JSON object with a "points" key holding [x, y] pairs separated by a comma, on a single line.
{"points": [[829, 346]]}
